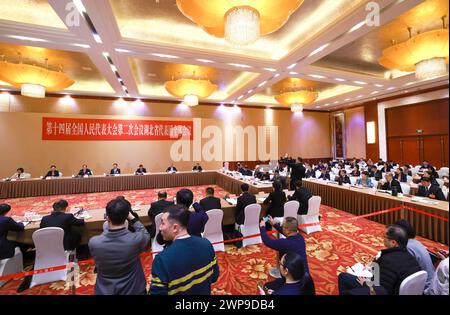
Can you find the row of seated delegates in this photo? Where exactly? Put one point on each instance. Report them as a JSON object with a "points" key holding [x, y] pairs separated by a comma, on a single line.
{"points": [[403, 255], [186, 255]]}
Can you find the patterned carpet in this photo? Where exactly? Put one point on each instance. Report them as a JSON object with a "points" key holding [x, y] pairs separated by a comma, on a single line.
{"points": [[339, 245]]}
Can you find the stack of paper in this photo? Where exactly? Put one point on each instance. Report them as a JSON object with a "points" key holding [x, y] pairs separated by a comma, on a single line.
{"points": [[359, 270]]}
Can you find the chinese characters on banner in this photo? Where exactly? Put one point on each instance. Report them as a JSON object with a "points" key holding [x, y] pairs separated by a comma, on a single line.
{"points": [[112, 129]]}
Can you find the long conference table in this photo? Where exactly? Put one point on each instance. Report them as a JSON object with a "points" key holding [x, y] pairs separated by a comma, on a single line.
{"points": [[361, 201], [97, 183]]}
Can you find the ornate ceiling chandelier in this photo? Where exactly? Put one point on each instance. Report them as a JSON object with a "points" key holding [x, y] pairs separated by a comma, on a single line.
{"points": [[190, 89], [33, 80], [241, 22], [297, 97], [425, 53]]}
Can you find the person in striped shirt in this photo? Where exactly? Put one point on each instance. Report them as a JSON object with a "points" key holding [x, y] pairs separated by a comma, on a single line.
{"points": [[188, 266]]}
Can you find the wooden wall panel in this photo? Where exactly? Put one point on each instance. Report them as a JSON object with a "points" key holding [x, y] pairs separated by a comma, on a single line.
{"points": [[430, 143], [433, 150], [411, 150], [431, 117], [395, 146]]}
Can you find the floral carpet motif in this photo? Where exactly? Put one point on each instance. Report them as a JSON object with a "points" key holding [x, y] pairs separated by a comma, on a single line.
{"points": [[329, 252]]}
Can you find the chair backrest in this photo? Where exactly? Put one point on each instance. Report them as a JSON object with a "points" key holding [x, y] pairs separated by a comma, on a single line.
{"points": [[440, 182], [26, 175], [157, 222], [445, 192], [252, 213], [353, 180], [314, 205], [49, 243], [405, 188], [291, 209], [60, 174], [214, 224], [414, 171], [414, 284], [317, 174], [409, 179]]}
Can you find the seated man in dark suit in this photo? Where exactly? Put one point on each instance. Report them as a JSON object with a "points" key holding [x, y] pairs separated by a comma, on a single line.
{"points": [[391, 183], [156, 208], [324, 174], [141, 170], [247, 171], [309, 172], [85, 171], [265, 176], [115, 170], [375, 173], [429, 174], [428, 190], [257, 173], [52, 173], [243, 201], [395, 264], [281, 179], [210, 202], [197, 168], [7, 247], [275, 201], [171, 169], [58, 218], [302, 195]]}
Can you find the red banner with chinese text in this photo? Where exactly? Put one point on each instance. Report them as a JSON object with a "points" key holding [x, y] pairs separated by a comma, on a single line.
{"points": [[112, 129]]}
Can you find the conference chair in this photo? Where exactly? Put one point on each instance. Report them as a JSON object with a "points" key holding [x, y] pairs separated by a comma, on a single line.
{"points": [[414, 284], [10, 266], [251, 224], [353, 180], [409, 179], [443, 171], [156, 247], [445, 192], [440, 182], [312, 216], [290, 210], [213, 229], [318, 174], [49, 253], [405, 188]]}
